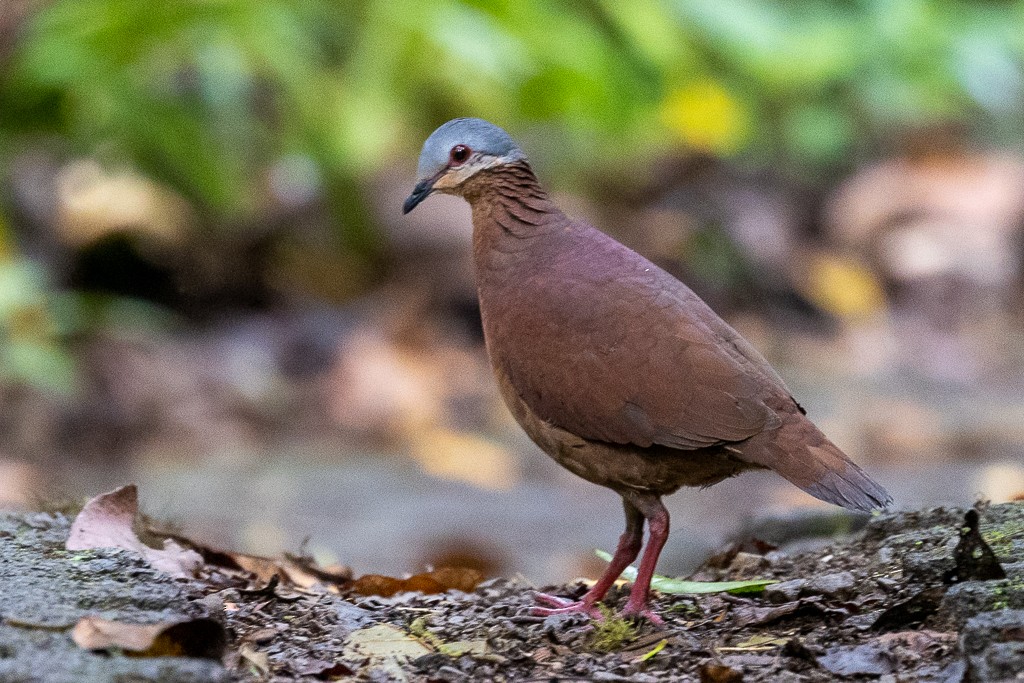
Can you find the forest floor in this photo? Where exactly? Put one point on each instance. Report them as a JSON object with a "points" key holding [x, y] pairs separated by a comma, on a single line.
{"points": [[911, 597]]}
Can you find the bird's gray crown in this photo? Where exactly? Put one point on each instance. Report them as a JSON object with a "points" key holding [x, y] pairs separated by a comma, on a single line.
{"points": [[480, 136]]}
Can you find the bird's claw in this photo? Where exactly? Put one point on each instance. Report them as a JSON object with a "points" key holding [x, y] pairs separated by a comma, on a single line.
{"points": [[641, 612], [556, 605]]}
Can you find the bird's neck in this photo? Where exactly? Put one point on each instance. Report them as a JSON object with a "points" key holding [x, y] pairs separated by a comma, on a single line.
{"points": [[508, 202]]}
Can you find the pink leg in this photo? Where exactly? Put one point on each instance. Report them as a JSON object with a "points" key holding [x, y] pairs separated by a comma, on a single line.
{"points": [[658, 525], [626, 552]]}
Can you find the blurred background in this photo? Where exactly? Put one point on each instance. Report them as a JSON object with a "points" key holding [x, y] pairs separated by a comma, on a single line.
{"points": [[207, 286]]}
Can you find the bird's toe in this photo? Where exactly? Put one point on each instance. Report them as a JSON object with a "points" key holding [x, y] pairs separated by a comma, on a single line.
{"points": [[549, 605], [642, 612]]}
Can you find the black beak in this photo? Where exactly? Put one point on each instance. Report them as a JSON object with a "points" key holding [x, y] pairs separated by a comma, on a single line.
{"points": [[419, 193]]}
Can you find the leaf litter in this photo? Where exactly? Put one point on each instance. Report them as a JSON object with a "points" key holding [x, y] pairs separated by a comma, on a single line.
{"points": [[283, 625]]}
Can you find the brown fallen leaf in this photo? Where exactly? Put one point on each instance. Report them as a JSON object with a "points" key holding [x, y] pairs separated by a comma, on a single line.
{"points": [[462, 579], [336, 574], [187, 638], [438, 581], [386, 586], [714, 672], [262, 636], [290, 570], [108, 521]]}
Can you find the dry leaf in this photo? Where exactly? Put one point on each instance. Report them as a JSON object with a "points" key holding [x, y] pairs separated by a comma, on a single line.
{"points": [[258, 660], [756, 643], [438, 581], [189, 638], [386, 642], [290, 570], [384, 647], [264, 635], [754, 615], [376, 584], [714, 672], [653, 652], [457, 648], [457, 578], [108, 521]]}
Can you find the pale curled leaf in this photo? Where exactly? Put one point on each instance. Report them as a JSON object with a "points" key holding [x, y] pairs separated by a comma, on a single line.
{"points": [[93, 633], [672, 586], [108, 520], [181, 638]]}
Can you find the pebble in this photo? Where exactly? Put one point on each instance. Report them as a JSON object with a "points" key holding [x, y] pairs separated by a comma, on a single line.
{"points": [[747, 564], [450, 674], [839, 584], [787, 591]]}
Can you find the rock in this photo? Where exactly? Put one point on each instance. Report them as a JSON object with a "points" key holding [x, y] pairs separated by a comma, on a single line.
{"points": [[994, 646], [964, 600], [450, 674], [47, 589], [787, 591], [837, 585], [609, 677], [931, 565], [869, 659], [1014, 570]]}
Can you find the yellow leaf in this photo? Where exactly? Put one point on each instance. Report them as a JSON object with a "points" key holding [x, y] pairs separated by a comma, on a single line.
{"points": [[706, 116], [844, 287], [653, 651], [465, 457]]}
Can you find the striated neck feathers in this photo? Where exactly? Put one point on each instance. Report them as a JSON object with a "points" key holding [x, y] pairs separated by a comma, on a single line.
{"points": [[508, 202]]}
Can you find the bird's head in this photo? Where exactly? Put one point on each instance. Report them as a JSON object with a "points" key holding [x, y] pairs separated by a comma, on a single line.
{"points": [[455, 152]]}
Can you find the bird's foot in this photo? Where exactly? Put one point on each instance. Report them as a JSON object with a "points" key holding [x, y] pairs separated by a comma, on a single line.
{"points": [[641, 611], [556, 605]]}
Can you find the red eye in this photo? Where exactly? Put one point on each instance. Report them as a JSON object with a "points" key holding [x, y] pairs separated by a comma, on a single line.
{"points": [[459, 154]]}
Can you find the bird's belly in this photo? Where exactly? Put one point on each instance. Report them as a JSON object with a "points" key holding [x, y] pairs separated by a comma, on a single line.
{"points": [[621, 467]]}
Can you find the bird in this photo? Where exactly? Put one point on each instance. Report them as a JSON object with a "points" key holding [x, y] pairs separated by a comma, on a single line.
{"points": [[615, 368]]}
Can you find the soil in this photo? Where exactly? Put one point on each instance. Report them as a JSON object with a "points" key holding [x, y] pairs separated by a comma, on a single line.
{"points": [[912, 597]]}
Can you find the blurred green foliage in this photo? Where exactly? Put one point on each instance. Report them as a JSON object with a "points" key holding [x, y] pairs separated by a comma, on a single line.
{"points": [[205, 96]]}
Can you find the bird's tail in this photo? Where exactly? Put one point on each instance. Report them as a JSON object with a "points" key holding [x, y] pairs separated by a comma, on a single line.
{"points": [[798, 451], [842, 482]]}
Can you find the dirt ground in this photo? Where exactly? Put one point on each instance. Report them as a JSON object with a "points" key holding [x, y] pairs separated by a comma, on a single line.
{"points": [[912, 597]]}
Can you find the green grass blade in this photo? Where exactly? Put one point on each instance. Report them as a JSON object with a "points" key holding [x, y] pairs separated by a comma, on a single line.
{"points": [[672, 586]]}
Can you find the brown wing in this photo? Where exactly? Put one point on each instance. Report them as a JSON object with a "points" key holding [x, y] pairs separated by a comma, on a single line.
{"points": [[599, 341]]}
